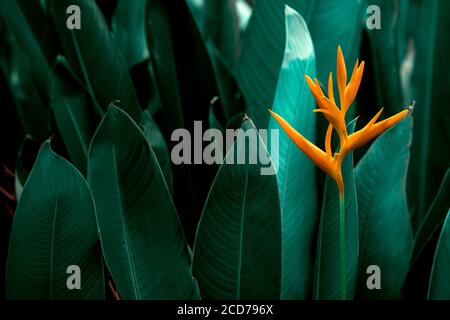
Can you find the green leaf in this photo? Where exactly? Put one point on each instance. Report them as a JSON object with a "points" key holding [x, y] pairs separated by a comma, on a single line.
{"points": [[20, 28], [385, 56], [427, 237], [218, 22], [54, 227], [439, 285], [73, 113], [142, 239], [29, 101], [333, 23], [94, 56], [237, 251], [153, 134], [296, 171], [260, 58], [434, 218], [385, 231], [163, 61], [220, 26], [128, 27], [327, 283], [430, 88]]}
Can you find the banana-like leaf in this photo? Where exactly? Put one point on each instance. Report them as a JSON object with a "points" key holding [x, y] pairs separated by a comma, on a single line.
{"points": [[260, 58], [93, 55], [73, 113], [296, 172], [153, 134], [440, 274], [237, 251], [142, 239], [430, 88], [29, 101], [385, 231], [385, 47], [435, 216], [18, 25], [219, 25], [54, 228], [417, 281], [128, 27], [327, 282], [333, 23], [163, 61]]}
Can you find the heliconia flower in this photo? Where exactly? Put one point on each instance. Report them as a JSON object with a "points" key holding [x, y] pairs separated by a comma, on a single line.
{"points": [[327, 161]]}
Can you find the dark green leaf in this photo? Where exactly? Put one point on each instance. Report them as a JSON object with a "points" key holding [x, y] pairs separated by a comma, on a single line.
{"points": [[54, 227], [385, 46], [153, 135], [434, 218], [20, 28], [417, 281], [327, 278], [260, 58], [237, 252], [94, 56], [430, 85], [142, 239], [296, 172], [74, 114], [29, 102], [333, 23], [440, 273], [385, 230], [160, 45], [128, 27]]}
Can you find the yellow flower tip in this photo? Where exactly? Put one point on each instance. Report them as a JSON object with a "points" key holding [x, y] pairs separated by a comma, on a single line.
{"points": [[374, 129], [341, 71], [319, 157]]}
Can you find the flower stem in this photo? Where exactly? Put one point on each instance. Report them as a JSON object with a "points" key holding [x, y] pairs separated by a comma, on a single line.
{"points": [[342, 245]]}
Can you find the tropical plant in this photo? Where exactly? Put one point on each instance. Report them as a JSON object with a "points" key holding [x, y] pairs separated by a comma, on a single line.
{"points": [[88, 181]]}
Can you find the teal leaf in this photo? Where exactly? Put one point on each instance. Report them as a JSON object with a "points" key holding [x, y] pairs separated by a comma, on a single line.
{"points": [[128, 28], [427, 236], [54, 227], [259, 62], [296, 171], [439, 282], [142, 239], [19, 26], [154, 137], [237, 251], [73, 111], [385, 230], [94, 56], [430, 89]]}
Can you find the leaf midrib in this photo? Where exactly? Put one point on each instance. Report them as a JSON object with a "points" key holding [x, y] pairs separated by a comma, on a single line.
{"points": [[241, 237], [124, 229], [52, 248]]}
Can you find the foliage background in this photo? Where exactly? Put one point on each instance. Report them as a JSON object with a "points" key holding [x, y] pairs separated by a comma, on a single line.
{"points": [[172, 58]]}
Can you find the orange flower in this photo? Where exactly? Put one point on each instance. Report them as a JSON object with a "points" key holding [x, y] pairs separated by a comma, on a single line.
{"points": [[326, 161]]}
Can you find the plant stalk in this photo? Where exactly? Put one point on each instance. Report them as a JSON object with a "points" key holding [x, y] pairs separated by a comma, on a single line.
{"points": [[342, 245]]}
